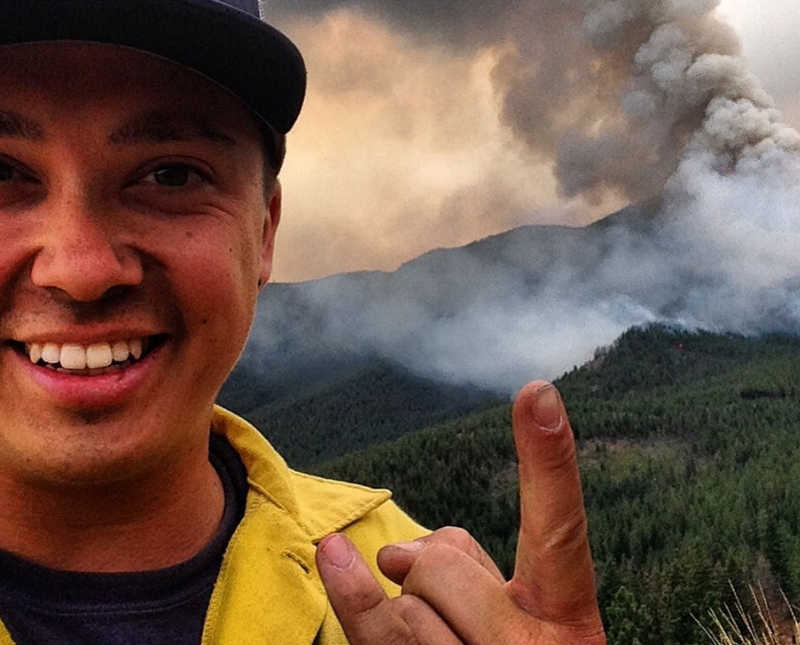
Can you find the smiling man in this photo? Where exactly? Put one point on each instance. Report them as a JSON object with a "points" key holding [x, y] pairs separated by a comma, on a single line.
{"points": [[140, 143]]}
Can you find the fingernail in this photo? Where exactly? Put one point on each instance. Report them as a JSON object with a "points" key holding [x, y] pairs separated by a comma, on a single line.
{"points": [[338, 552], [412, 547], [547, 409]]}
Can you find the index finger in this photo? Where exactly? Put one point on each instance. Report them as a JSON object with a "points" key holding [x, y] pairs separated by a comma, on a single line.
{"points": [[554, 576]]}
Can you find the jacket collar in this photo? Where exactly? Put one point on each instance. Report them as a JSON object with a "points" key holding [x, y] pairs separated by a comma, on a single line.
{"points": [[320, 506], [268, 589]]}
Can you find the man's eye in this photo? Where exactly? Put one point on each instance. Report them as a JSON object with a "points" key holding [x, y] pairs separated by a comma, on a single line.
{"points": [[175, 175], [9, 173]]}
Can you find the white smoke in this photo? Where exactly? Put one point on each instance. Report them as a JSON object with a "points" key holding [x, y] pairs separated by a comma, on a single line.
{"points": [[670, 110]]}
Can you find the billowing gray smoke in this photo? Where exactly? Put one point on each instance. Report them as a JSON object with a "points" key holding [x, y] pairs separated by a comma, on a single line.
{"points": [[642, 97], [610, 90]]}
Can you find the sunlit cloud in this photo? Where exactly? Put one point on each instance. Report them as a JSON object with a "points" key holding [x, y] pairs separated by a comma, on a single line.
{"points": [[400, 149]]}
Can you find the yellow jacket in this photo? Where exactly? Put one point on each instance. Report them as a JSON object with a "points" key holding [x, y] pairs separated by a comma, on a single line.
{"points": [[268, 590]]}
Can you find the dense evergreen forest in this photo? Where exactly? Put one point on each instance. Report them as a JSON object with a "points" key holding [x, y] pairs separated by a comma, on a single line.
{"points": [[370, 404], [688, 446]]}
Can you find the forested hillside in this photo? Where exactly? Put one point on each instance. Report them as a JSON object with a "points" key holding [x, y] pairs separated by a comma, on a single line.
{"points": [[372, 404], [688, 445]]}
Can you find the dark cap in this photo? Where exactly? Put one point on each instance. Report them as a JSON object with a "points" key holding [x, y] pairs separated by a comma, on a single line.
{"points": [[225, 41]]}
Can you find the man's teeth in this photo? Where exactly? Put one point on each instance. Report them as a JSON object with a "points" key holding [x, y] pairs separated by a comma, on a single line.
{"points": [[72, 356]]}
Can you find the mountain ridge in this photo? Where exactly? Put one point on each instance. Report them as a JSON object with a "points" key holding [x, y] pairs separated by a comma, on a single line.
{"points": [[347, 318]]}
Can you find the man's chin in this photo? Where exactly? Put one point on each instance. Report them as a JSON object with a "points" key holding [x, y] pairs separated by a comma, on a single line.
{"points": [[89, 448]]}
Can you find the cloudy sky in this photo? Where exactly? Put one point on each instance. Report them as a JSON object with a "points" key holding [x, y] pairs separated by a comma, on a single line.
{"points": [[431, 125]]}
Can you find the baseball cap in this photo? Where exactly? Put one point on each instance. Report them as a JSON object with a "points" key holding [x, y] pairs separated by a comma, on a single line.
{"points": [[224, 40]]}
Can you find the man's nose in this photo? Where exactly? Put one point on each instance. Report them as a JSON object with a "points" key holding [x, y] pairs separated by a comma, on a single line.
{"points": [[83, 254]]}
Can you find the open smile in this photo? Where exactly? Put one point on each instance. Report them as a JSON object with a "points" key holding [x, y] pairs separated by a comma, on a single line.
{"points": [[89, 360], [101, 374]]}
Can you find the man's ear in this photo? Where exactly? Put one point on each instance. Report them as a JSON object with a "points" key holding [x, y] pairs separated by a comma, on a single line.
{"points": [[268, 236]]}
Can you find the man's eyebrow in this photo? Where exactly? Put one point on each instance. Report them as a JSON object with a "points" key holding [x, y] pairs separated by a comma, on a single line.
{"points": [[14, 125], [159, 126]]}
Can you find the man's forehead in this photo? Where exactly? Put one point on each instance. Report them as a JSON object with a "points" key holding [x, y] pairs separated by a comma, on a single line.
{"points": [[157, 125]]}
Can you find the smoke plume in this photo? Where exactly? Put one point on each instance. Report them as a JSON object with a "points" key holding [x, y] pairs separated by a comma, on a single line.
{"points": [[631, 98]]}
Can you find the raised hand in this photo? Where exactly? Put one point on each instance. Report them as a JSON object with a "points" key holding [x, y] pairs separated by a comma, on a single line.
{"points": [[452, 590]]}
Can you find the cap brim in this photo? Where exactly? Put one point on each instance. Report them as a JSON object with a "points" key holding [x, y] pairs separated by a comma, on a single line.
{"points": [[252, 59]]}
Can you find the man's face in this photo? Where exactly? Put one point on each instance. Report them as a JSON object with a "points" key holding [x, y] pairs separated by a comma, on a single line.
{"points": [[132, 212]]}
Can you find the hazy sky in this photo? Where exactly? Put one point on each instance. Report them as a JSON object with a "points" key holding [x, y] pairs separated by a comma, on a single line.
{"points": [[769, 33], [434, 127]]}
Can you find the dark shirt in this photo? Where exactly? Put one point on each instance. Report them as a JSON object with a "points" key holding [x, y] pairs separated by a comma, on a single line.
{"points": [[44, 606]]}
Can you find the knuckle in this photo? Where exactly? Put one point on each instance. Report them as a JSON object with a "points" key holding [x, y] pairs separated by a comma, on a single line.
{"points": [[463, 541], [439, 555], [453, 532], [428, 568], [457, 537]]}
